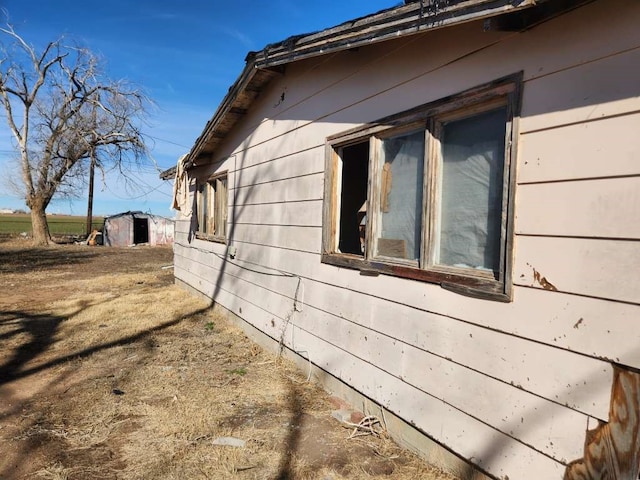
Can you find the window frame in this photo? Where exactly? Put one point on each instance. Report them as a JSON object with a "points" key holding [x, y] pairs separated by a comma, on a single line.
{"points": [[376, 193], [218, 201], [429, 117]]}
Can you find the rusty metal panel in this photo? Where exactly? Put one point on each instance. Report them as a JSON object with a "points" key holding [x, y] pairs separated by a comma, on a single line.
{"points": [[119, 230], [161, 230]]}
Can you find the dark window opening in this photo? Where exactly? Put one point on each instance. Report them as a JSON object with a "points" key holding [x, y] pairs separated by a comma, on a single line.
{"points": [[211, 208], [140, 230], [353, 197]]}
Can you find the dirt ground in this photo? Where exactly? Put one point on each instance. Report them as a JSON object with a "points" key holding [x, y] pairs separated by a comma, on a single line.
{"points": [[109, 371]]}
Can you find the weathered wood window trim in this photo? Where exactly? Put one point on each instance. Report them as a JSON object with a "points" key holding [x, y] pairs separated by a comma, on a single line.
{"points": [[211, 208], [501, 97]]}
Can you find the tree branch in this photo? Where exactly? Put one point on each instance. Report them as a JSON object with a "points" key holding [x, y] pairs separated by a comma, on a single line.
{"points": [[68, 110]]}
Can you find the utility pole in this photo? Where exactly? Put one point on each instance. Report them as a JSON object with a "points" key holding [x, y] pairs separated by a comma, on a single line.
{"points": [[92, 168]]}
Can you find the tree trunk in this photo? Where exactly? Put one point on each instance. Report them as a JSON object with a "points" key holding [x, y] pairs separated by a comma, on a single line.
{"points": [[39, 225]]}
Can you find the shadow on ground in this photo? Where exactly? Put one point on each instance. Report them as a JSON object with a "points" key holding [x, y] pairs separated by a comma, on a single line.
{"points": [[29, 259], [40, 329]]}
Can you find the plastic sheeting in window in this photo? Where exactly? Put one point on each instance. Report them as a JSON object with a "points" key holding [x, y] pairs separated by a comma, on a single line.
{"points": [[401, 196], [471, 183]]}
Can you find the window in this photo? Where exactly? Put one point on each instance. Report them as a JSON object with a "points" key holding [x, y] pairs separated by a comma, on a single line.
{"points": [[427, 194], [211, 204]]}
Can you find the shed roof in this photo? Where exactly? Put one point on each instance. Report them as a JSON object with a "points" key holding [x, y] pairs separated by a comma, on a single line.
{"points": [[134, 214], [414, 16]]}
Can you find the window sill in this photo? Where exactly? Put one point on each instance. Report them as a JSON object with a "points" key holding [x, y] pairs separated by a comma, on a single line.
{"points": [[469, 286], [211, 238]]}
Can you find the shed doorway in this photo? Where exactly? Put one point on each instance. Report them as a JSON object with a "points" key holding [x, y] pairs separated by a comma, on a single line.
{"points": [[140, 230]]}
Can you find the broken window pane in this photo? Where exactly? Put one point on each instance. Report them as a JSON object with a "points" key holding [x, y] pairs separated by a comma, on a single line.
{"points": [[401, 172], [211, 204], [353, 197]]}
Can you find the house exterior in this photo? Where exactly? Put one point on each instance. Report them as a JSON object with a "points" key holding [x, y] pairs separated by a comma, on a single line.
{"points": [[134, 228], [437, 206]]}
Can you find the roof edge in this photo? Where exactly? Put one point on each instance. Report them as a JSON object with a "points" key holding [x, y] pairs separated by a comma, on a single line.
{"points": [[240, 84], [408, 19]]}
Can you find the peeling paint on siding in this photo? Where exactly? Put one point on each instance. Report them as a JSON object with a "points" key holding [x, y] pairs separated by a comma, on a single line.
{"points": [[612, 450], [543, 282]]}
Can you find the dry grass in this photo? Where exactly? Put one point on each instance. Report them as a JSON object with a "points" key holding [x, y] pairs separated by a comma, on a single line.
{"points": [[132, 378]]}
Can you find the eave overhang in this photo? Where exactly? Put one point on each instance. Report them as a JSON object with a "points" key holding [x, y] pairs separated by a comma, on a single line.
{"points": [[261, 67]]}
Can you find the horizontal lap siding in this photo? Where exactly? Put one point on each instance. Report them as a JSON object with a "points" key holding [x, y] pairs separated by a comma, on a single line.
{"points": [[268, 169], [181, 232], [472, 439], [296, 189], [582, 93], [496, 354], [530, 418], [182, 224], [493, 450], [603, 331], [304, 239], [590, 208], [606, 269], [305, 213], [509, 385], [441, 378], [561, 153]]}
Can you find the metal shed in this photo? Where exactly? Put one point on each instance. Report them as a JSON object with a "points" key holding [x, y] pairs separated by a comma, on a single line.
{"points": [[134, 228]]}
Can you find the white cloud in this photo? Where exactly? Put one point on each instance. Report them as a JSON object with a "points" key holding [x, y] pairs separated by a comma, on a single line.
{"points": [[244, 39]]}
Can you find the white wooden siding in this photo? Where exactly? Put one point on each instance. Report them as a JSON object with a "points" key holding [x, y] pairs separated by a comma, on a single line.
{"points": [[473, 439], [389, 355], [305, 239], [589, 208], [563, 154], [497, 354], [292, 189], [292, 165], [537, 314], [445, 378], [605, 269], [559, 99], [304, 213], [511, 386]]}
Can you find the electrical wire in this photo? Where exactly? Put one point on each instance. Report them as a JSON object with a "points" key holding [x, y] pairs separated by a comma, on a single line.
{"points": [[369, 97], [137, 197], [167, 141]]}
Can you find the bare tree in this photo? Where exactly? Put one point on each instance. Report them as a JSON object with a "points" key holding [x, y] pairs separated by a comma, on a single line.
{"points": [[63, 112]]}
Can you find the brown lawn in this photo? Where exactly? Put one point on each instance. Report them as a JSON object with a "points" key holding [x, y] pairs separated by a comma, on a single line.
{"points": [[109, 371]]}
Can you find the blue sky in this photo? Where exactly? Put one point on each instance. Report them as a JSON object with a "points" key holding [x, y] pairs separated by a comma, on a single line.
{"points": [[184, 55]]}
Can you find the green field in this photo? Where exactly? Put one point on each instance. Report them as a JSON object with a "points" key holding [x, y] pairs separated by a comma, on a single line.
{"points": [[58, 224]]}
